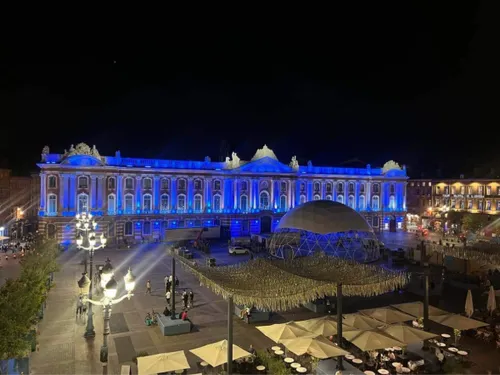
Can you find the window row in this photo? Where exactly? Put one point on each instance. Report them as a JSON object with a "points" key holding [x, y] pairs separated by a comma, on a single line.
{"points": [[470, 190], [460, 204]]}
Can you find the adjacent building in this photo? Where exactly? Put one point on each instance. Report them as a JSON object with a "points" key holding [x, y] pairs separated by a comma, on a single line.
{"points": [[137, 198]]}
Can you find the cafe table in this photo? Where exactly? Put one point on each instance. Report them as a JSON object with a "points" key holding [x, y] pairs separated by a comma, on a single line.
{"points": [[462, 353], [445, 336], [289, 360], [383, 371], [274, 348], [261, 368], [357, 361], [279, 352], [368, 372], [350, 357], [405, 370], [295, 365], [301, 370]]}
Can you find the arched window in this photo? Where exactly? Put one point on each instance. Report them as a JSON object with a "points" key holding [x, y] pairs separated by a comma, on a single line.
{"points": [[164, 183], [340, 188], [197, 203], [316, 197], [165, 202], [392, 202], [340, 198], [376, 188], [362, 188], [197, 184], [350, 201], [329, 197], [111, 203], [129, 228], [244, 203], [146, 228], [83, 202], [329, 187], [302, 199], [264, 200], [111, 183], [129, 183], [83, 182], [283, 203], [129, 203], [181, 184], [316, 186], [147, 202], [375, 203], [216, 203], [52, 204], [244, 185], [147, 183], [361, 202], [52, 182], [216, 184], [181, 202], [351, 187], [283, 185], [264, 185]]}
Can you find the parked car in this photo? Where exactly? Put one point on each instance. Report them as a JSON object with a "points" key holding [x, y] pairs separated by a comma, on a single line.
{"points": [[235, 250]]}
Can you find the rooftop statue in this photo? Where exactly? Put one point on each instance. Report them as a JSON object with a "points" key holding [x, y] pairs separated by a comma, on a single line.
{"points": [[45, 152], [294, 163], [390, 165], [234, 162], [264, 152]]}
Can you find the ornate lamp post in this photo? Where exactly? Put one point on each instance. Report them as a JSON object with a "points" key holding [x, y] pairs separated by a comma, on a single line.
{"points": [[110, 287], [85, 225]]}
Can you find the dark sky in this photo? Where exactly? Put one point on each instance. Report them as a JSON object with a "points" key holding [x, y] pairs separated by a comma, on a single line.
{"points": [[415, 82]]}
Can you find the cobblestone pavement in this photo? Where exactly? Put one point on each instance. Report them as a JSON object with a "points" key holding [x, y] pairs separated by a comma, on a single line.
{"points": [[63, 350]]}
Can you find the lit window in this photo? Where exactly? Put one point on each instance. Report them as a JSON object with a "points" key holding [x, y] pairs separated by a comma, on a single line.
{"points": [[329, 197], [488, 190], [340, 187], [462, 190], [216, 185], [147, 183], [361, 202], [283, 202], [129, 228], [375, 203], [316, 197], [462, 204], [129, 203], [469, 190], [316, 186], [480, 190], [244, 203], [181, 202], [488, 205], [302, 199], [329, 187], [480, 205], [164, 202], [52, 206], [164, 184], [83, 182], [216, 202], [83, 203], [197, 203], [340, 198], [111, 203], [392, 202], [146, 228], [52, 182], [469, 204], [376, 188], [197, 184], [351, 201], [264, 200], [129, 183], [147, 202]]}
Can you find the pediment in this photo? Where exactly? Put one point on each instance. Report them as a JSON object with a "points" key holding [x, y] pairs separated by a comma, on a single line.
{"points": [[266, 164], [82, 160]]}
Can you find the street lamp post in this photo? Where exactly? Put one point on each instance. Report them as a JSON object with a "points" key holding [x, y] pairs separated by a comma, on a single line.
{"points": [[86, 226], [110, 287]]}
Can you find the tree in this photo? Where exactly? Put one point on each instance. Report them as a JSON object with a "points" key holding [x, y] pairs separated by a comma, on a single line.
{"points": [[21, 299], [474, 222]]}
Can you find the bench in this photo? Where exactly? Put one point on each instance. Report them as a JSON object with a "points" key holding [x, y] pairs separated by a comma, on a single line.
{"points": [[255, 316], [171, 327]]}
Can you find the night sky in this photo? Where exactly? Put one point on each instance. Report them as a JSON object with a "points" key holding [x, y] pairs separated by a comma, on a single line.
{"points": [[415, 83]]}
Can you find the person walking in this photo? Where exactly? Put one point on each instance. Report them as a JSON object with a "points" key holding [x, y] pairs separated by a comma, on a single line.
{"points": [[79, 306], [148, 287], [191, 299], [167, 297], [168, 286], [185, 299]]}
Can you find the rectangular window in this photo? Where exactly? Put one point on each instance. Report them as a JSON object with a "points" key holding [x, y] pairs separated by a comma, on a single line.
{"points": [[164, 184], [488, 190], [129, 183], [111, 183], [147, 183]]}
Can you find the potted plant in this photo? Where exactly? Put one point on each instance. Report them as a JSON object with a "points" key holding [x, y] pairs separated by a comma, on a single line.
{"points": [[457, 333]]}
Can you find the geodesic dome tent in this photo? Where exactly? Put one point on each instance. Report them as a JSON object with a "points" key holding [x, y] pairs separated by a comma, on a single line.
{"points": [[324, 226]]}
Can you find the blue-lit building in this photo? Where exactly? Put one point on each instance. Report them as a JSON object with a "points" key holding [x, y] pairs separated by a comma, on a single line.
{"points": [[150, 198]]}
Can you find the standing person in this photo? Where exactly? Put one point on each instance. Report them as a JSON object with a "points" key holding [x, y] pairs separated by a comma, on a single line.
{"points": [[185, 299], [165, 280], [176, 281], [191, 299], [168, 286], [148, 287], [167, 297], [79, 306]]}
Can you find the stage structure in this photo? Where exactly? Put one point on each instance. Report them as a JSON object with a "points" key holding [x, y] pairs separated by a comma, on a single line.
{"points": [[324, 227]]}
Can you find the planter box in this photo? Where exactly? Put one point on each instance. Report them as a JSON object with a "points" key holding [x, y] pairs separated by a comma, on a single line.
{"points": [[255, 316], [169, 327]]}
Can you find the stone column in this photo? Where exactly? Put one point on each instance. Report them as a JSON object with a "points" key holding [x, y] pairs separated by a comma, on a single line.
{"points": [[250, 195], [62, 193], [236, 194], [93, 192], [72, 192], [404, 196], [289, 194], [102, 201], [297, 192], [271, 195], [138, 198], [173, 193], [43, 191], [368, 197], [119, 192], [156, 193], [189, 193], [208, 193], [309, 190]]}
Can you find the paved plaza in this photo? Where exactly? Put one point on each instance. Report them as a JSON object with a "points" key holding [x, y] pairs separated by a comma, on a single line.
{"points": [[63, 350]]}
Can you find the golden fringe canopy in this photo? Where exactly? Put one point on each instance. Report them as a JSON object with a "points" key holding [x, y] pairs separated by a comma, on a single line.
{"points": [[279, 285], [479, 254]]}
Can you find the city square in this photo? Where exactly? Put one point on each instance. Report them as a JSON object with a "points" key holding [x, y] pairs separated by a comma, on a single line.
{"points": [[311, 194]]}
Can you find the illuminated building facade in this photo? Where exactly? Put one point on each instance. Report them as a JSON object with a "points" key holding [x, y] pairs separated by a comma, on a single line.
{"points": [[147, 198], [467, 195]]}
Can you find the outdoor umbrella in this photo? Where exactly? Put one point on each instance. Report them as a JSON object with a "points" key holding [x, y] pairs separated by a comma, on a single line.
{"points": [[164, 362], [284, 331], [318, 347], [469, 304], [387, 315], [371, 340], [360, 321], [324, 326], [457, 322], [492, 301], [417, 309], [216, 354], [406, 334]]}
